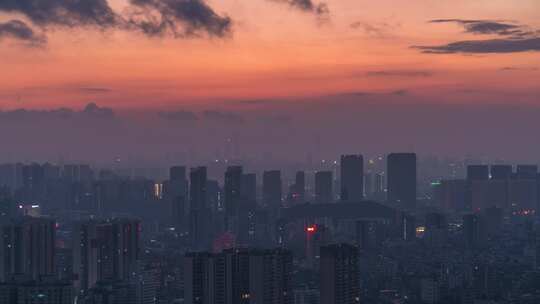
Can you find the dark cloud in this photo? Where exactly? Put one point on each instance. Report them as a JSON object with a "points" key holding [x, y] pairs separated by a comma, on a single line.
{"points": [[178, 18], [380, 30], [375, 95], [69, 13], [20, 115], [257, 102], [90, 111], [178, 116], [94, 90], [319, 9], [484, 46], [511, 68], [399, 73], [94, 110], [16, 29], [515, 38], [181, 18], [353, 94], [401, 92], [226, 117], [485, 26]]}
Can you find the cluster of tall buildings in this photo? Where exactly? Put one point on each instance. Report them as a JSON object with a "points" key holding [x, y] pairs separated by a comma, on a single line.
{"points": [[492, 186], [351, 232]]}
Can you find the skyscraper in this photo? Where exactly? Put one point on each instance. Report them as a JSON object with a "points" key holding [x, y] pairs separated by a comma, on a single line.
{"points": [[28, 247], [339, 274], [501, 172], [300, 187], [105, 250], [175, 192], [477, 182], [526, 171], [324, 193], [249, 190], [352, 178], [272, 192], [238, 276], [477, 172], [401, 169], [473, 231], [177, 173], [199, 213], [233, 185]]}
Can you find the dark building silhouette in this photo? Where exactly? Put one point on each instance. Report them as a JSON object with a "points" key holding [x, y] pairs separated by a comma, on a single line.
{"points": [[27, 248], [197, 188], [370, 234], [105, 250], [473, 231], [199, 213], [44, 290], [526, 171], [238, 276], [232, 189], [297, 191], [352, 178], [401, 168], [324, 193], [501, 172], [175, 192], [248, 190], [300, 185], [436, 229], [339, 274], [177, 173], [272, 188], [406, 226], [109, 292], [477, 172]]}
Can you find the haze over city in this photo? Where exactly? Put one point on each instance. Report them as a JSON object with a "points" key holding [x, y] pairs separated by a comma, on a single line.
{"points": [[384, 76]]}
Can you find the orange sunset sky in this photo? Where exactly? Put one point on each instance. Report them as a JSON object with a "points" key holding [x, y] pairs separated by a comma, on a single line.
{"points": [[278, 49]]}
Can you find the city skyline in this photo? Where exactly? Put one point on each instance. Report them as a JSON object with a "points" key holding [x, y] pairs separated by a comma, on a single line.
{"points": [[269, 151]]}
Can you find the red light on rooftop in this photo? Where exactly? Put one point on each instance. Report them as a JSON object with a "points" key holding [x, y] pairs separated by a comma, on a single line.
{"points": [[311, 228]]}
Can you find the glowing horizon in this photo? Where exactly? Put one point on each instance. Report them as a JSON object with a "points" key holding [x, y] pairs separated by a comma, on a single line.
{"points": [[275, 50]]}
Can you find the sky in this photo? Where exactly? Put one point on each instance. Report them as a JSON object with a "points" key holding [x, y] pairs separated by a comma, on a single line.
{"points": [[267, 63]]}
